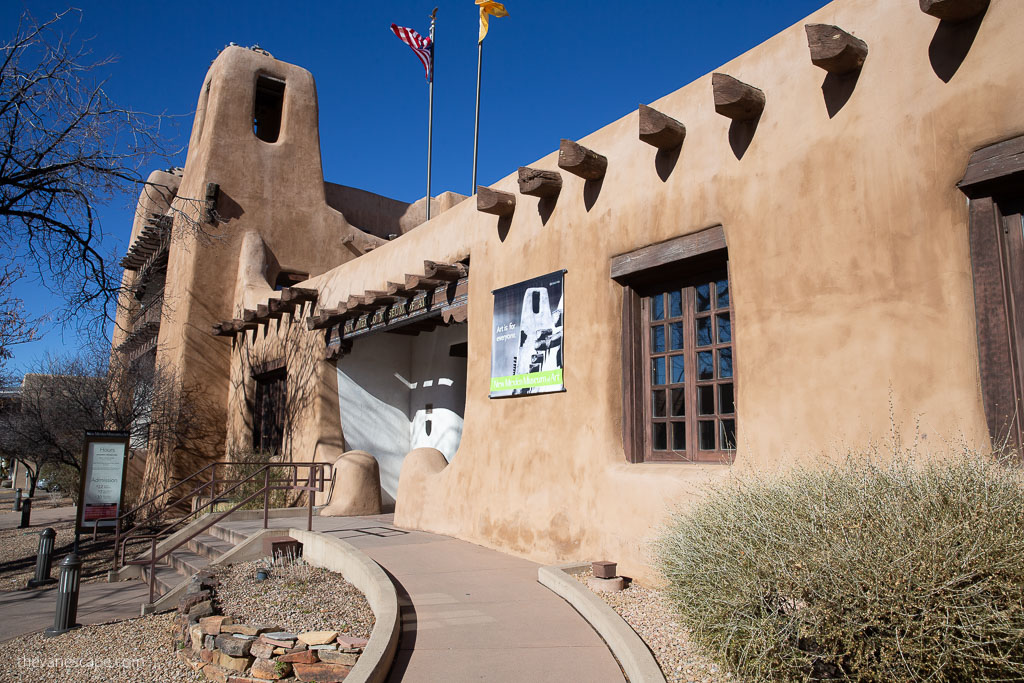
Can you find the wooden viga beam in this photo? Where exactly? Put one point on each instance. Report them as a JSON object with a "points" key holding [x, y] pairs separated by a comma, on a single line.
{"points": [[735, 99], [659, 130], [299, 294], [578, 160], [420, 283], [538, 183], [378, 299], [278, 307], [359, 303], [325, 318], [495, 202], [835, 50], [954, 10], [450, 272], [225, 328]]}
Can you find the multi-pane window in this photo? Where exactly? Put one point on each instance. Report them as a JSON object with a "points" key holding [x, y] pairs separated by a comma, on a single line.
{"points": [[690, 411], [678, 384]]}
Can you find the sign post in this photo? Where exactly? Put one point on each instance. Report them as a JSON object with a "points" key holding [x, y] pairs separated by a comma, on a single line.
{"points": [[101, 492]]}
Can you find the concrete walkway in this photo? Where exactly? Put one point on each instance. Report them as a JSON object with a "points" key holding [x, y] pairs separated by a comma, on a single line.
{"points": [[469, 613], [24, 612]]}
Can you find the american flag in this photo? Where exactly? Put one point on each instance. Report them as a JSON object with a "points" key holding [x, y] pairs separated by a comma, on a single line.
{"points": [[423, 47]]}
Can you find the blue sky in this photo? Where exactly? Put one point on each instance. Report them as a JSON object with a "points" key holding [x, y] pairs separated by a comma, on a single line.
{"points": [[551, 70]]}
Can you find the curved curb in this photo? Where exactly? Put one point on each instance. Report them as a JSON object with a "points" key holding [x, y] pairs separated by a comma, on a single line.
{"points": [[633, 654], [336, 555]]}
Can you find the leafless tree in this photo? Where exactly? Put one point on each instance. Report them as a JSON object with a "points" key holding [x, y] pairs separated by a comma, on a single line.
{"points": [[72, 394], [66, 149]]}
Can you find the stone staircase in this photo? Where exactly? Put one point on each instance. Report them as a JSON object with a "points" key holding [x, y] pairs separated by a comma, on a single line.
{"points": [[193, 556]]}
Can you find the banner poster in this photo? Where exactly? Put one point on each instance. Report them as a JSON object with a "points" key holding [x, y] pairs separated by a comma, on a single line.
{"points": [[103, 479], [526, 349]]}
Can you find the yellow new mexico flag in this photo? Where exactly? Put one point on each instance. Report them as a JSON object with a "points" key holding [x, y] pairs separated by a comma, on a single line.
{"points": [[488, 7]]}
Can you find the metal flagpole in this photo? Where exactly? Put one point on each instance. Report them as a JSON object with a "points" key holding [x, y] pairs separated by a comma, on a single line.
{"points": [[430, 106], [476, 130]]}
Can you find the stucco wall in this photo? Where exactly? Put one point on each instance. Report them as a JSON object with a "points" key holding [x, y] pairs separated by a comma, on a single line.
{"points": [[851, 281]]}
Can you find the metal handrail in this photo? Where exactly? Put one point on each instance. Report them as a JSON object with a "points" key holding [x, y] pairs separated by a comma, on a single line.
{"points": [[315, 483]]}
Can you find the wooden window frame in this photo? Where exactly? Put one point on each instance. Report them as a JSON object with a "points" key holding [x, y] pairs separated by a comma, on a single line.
{"points": [[649, 270], [264, 380], [994, 185]]}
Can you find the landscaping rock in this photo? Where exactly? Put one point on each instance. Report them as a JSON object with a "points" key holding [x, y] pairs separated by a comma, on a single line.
{"points": [[279, 642], [280, 635], [207, 655], [227, 661], [208, 642], [214, 625], [304, 657], [249, 630], [215, 673], [192, 599], [264, 668], [317, 637], [322, 673], [200, 610], [196, 636], [336, 657], [350, 642], [262, 649], [234, 646]]}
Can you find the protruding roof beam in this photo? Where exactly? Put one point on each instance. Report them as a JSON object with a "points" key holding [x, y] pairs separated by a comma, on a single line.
{"points": [[659, 130], [578, 160], [444, 271], [495, 202], [538, 183], [420, 283], [954, 10], [298, 294], [735, 99], [358, 303], [326, 318], [835, 50]]}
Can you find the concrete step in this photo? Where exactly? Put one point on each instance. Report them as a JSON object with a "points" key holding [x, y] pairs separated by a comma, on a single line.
{"points": [[186, 562], [228, 534], [209, 546]]}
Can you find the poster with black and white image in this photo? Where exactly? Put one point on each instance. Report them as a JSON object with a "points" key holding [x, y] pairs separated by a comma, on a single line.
{"points": [[526, 348]]}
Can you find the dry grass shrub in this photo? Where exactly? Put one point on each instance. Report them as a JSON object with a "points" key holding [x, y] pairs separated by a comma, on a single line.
{"points": [[905, 571], [247, 462]]}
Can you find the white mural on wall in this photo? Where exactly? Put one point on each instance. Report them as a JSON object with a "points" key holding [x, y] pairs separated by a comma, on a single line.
{"points": [[396, 393]]}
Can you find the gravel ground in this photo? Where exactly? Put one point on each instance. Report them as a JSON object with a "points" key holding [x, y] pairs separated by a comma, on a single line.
{"points": [[297, 598], [134, 651], [646, 612], [18, 555]]}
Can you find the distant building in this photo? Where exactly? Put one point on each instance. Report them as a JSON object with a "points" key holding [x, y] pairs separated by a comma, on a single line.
{"points": [[780, 262]]}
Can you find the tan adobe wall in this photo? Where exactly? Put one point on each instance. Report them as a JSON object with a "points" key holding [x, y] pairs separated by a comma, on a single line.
{"points": [[851, 282], [272, 189]]}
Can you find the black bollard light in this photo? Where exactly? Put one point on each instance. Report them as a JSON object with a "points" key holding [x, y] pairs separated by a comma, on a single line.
{"points": [[44, 558], [67, 597], [17, 500], [26, 513]]}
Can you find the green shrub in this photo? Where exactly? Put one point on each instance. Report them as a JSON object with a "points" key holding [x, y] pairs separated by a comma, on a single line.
{"points": [[898, 572]]}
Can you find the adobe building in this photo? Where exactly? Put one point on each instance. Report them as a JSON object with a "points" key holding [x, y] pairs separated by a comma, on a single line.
{"points": [[778, 263]]}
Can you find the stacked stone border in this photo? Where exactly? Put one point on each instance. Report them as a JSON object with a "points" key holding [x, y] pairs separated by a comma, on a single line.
{"points": [[629, 649], [195, 598]]}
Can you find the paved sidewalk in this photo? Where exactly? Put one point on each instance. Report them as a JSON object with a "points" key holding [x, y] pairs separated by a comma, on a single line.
{"points": [[469, 613], [98, 602]]}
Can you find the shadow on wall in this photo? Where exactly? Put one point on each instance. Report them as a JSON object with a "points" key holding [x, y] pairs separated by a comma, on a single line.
{"points": [[951, 43], [258, 358]]}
